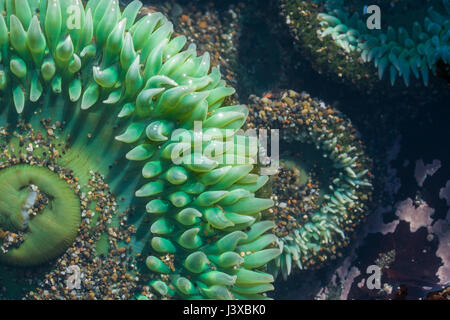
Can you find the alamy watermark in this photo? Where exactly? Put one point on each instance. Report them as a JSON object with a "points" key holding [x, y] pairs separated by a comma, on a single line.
{"points": [[199, 147], [74, 19], [74, 279], [374, 20], [374, 280]]}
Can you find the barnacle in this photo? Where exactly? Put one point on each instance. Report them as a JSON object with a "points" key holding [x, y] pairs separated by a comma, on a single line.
{"points": [[413, 36], [316, 214], [127, 97]]}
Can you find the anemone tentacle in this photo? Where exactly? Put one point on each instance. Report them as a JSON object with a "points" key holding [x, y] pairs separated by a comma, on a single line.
{"points": [[399, 52]]}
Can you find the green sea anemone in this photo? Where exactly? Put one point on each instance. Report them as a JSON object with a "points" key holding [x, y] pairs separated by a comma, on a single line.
{"points": [[414, 35], [323, 186], [86, 89]]}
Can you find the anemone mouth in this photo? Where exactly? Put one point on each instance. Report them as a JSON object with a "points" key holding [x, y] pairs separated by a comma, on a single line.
{"points": [[300, 185], [48, 233], [59, 169], [323, 188]]}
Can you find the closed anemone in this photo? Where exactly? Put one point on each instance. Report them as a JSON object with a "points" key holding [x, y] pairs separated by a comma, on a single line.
{"points": [[99, 109], [48, 233], [324, 185]]}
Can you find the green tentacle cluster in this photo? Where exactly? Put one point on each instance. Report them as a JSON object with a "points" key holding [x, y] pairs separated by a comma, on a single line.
{"points": [[104, 73], [399, 51], [201, 206]]}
